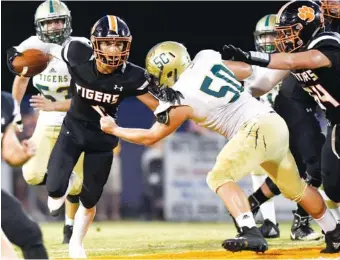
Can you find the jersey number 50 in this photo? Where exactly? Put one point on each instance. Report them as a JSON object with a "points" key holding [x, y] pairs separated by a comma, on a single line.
{"points": [[230, 87]]}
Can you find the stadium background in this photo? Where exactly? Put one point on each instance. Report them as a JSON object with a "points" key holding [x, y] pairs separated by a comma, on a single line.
{"points": [[198, 25]]}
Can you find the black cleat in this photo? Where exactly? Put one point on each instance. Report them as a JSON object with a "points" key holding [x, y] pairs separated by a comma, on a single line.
{"points": [[332, 241], [301, 229], [250, 239], [68, 230], [269, 229], [56, 213]]}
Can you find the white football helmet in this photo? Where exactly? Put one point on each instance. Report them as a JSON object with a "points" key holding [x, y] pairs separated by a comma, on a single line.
{"points": [[52, 10]]}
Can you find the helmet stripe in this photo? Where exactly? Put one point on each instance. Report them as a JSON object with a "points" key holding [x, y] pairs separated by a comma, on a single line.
{"points": [[280, 12], [266, 23], [51, 6], [112, 23]]}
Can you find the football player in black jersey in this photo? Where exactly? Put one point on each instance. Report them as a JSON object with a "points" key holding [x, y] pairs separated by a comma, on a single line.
{"points": [[102, 78], [298, 109], [313, 57], [15, 223]]}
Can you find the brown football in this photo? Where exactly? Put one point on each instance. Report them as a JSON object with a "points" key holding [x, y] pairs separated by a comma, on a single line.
{"points": [[31, 63]]}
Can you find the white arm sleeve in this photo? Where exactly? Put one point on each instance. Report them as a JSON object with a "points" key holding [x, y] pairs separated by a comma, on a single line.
{"points": [[32, 42], [263, 80]]}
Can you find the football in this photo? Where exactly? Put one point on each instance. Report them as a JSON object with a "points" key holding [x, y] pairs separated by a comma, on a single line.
{"points": [[31, 63]]}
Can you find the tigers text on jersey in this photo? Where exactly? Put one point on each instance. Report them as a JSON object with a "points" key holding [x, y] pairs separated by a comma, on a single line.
{"points": [[54, 82], [10, 111], [95, 89], [268, 98], [323, 84], [217, 98]]}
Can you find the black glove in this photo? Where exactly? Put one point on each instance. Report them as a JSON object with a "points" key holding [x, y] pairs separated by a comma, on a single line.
{"points": [[166, 94], [162, 92], [11, 54], [230, 52]]}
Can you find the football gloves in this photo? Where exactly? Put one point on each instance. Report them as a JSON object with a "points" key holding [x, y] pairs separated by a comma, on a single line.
{"points": [[11, 54], [261, 59], [162, 92]]}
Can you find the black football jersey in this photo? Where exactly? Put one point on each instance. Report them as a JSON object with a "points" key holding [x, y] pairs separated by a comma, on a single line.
{"points": [[91, 88], [290, 88], [9, 111], [323, 84]]}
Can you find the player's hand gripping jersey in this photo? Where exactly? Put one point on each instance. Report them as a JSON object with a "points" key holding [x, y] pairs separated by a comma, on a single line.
{"points": [[55, 81], [217, 98]]}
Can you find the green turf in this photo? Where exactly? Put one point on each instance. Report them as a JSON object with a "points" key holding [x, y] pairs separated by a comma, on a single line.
{"points": [[139, 238]]}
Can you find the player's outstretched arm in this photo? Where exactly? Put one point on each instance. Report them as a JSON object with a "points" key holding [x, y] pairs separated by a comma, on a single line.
{"points": [[150, 101], [12, 151], [241, 70], [311, 59], [157, 132]]}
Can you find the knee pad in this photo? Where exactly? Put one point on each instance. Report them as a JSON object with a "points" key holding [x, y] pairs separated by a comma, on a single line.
{"points": [[272, 186], [89, 203], [33, 178], [56, 192], [73, 198], [90, 200], [215, 180]]}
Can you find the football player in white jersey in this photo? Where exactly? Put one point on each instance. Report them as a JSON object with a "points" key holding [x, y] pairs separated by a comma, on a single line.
{"points": [[264, 42], [214, 98], [53, 27]]}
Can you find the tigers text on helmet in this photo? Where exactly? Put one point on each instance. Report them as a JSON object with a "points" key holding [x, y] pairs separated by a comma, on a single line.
{"points": [[331, 8], [111, 30], [297, 23], [53, 11], [167, 61], [265, 34]]}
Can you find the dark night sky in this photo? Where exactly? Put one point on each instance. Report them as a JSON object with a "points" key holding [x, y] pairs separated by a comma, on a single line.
{"points": [[199, 25]]}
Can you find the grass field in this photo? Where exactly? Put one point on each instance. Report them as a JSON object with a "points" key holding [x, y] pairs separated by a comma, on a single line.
{"points": [[166, 240]]}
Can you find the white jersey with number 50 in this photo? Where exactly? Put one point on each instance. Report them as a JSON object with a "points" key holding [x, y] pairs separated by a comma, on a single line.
{"points": [[217, 98], [54, 82]]}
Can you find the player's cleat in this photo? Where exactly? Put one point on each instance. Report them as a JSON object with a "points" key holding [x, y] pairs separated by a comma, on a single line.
{"points": [[67, 233], [269, 229], [332, 241], [301, 229], [250, 239]]}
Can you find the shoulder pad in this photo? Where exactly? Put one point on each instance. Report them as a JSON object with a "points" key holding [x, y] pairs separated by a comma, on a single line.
{"points": [[209, 54], [76, 52], [80, 39], [324, 39]]}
